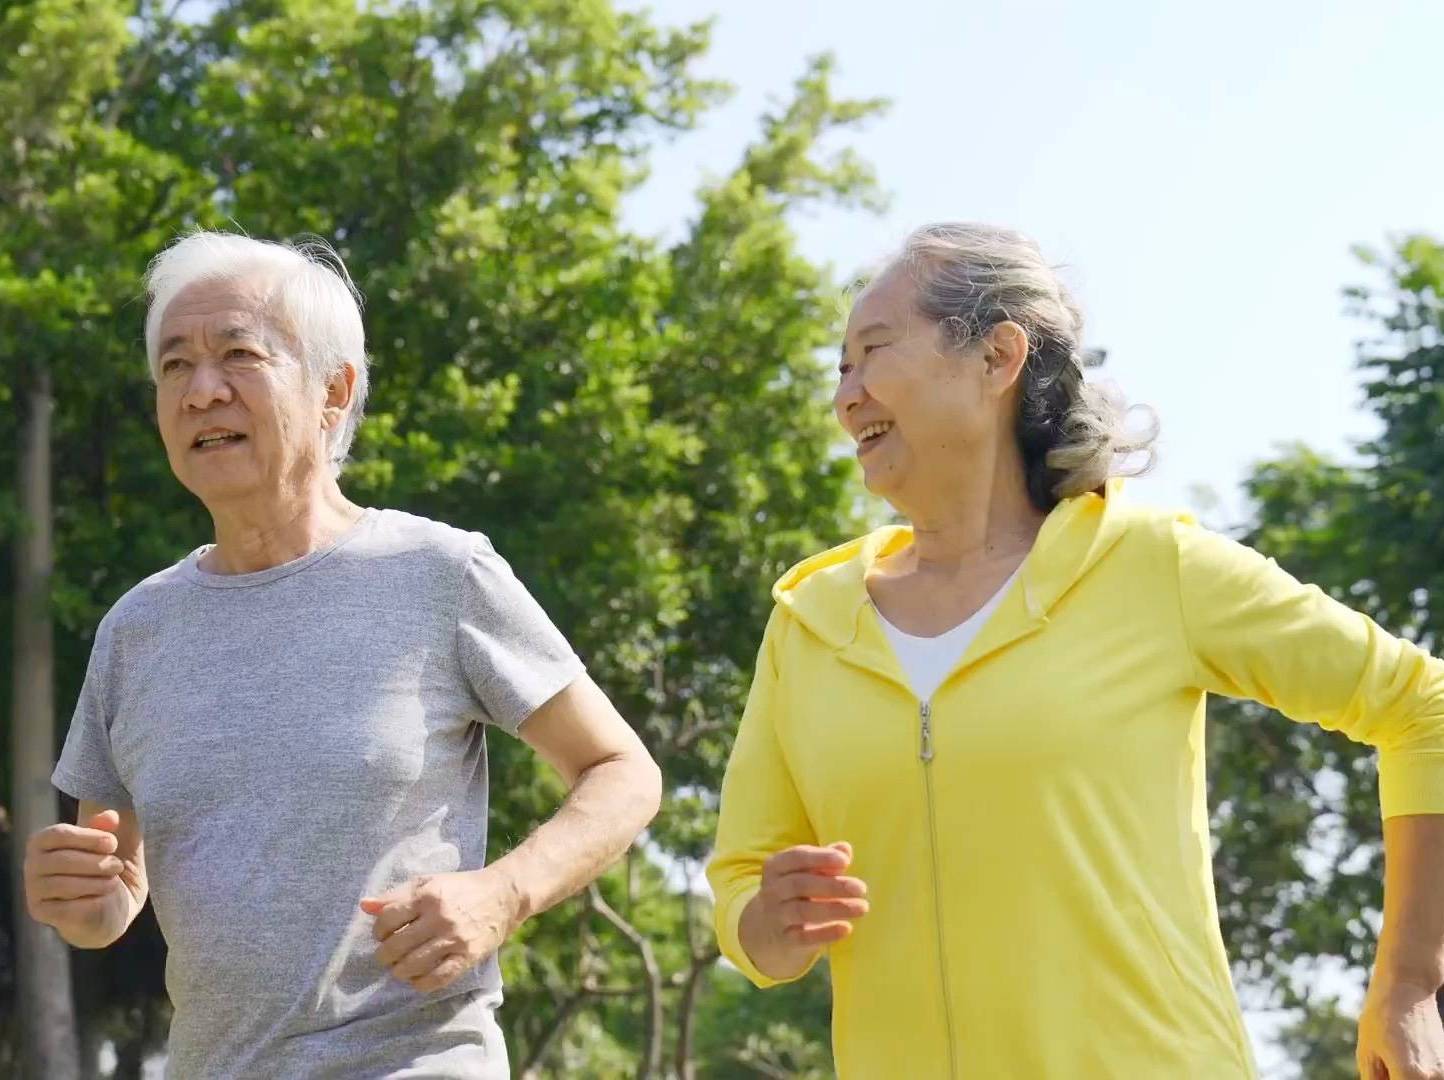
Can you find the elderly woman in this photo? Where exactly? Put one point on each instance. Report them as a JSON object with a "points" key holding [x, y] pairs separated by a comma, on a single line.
{"points": [[282, 738], [971, 766]]}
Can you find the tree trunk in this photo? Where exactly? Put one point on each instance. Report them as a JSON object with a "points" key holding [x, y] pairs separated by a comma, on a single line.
{"points": [[651, 1063], [700, 962], [131, 1049], [44, 1007], [685, 1067]]}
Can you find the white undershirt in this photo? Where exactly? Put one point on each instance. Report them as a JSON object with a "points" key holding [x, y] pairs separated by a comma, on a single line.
{"points": [[927, 661]]}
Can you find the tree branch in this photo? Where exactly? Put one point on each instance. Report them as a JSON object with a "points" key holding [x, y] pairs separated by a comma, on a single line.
{"points": [[152, 213], [692, 732], [651, 1063], [569, 1007], [140, 68], [701, 961]]}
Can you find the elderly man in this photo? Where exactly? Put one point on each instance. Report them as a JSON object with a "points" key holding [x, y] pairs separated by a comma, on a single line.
{"points": [[281, 739]]}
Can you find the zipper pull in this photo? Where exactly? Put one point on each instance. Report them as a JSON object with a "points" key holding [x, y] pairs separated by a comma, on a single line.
{"points": [[925, 712]]}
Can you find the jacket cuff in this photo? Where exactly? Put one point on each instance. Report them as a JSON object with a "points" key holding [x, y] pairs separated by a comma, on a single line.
{"points": [[1411, 782], [729, 915]]}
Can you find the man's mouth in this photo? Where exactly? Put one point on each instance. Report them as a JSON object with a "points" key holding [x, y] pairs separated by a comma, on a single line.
{"points": [[211, 439]]}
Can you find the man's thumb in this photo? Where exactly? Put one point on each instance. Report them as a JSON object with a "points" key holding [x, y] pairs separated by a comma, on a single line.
{"points": [[372, 906], [106, 820], [844, 847]]}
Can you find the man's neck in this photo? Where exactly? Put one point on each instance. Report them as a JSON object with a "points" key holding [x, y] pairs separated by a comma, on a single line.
{"points": [[267, 532]]}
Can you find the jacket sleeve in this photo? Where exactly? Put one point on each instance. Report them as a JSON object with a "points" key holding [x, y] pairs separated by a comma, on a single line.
{"points": [[761, 811], [1256, 632]]}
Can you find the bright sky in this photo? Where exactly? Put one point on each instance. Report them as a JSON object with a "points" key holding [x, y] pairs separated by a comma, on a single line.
{"points": [[1203, 169]]}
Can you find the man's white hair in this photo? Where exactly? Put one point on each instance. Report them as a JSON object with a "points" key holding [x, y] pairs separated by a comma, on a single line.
{"points": [[310, 296]]}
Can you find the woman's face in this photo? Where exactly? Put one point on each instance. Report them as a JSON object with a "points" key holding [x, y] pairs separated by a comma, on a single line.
{"points": [[918, 410]]}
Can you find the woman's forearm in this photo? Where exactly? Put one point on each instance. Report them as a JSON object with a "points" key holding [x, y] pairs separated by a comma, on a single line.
{"points": [[1411, 944], [774, 958]]}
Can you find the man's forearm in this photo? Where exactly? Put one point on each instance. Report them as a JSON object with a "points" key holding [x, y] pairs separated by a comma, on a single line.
{"points": [[607, 808], [1411, 944], [90, 937]]}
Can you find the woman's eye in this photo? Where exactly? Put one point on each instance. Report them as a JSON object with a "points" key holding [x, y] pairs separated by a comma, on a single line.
{"points": [[171, 365], [240, 354], [869, 348]]}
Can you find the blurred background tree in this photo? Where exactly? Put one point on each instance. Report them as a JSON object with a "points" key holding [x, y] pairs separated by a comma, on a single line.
{"points": [[640, 425], [1299, 860]]}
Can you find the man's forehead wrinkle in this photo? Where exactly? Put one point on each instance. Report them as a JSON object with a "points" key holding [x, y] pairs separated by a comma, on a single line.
{"points": [[257, 325]]}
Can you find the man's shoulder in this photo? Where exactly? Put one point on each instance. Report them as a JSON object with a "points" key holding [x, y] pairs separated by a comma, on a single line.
{"points": [[141, 600], [140, 608], [398, 533]]}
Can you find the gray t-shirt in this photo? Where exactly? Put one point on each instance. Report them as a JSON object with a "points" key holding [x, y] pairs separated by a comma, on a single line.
{"points": [[291, 741]]}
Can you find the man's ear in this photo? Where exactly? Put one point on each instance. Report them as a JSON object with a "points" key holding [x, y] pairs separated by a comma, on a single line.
{"points": [[340, 389]]}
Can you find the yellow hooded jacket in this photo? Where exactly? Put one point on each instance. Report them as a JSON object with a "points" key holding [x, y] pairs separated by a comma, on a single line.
{"points": [[1035, 839]]}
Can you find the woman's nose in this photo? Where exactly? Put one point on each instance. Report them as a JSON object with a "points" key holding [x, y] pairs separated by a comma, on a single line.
{"points": [[849, 394]]}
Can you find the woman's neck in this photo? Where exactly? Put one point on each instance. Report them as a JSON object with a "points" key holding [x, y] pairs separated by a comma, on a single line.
{"points": [[973, 516]]}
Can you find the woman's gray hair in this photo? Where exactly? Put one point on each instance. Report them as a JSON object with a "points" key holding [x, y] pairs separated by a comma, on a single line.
{"points": [[311, 297], [1074, 434]]}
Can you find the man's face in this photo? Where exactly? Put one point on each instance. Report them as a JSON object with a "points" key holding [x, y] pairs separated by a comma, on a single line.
{"points": [[237, 415]]}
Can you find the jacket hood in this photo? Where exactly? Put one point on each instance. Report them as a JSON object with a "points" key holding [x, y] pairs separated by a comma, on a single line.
{"points": [[827, 593]]}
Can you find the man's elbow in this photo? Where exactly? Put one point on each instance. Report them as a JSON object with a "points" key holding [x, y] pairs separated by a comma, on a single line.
{"points": [[647, 788], [633, 791]]}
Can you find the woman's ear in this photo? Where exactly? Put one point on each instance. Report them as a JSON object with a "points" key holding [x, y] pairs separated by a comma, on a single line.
{"points": [[1005, 351]]}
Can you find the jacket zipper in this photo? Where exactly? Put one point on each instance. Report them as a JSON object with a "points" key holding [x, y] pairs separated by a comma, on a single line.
{"points": [[925, 754]]}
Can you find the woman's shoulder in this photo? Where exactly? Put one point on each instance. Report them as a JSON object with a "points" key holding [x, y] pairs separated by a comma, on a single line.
{"points": [[1141, 522], [824, 591], [843, 561]]}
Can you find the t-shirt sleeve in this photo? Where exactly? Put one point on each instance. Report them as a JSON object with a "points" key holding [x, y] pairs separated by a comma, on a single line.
{"points": [[514, 659], [86, 769]]}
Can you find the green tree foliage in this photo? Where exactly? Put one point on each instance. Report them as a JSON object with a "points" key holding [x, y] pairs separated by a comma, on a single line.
{"points": [[82, 202], [82, 206], [1299, 861], [1321, 1043], [641, 427]]}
